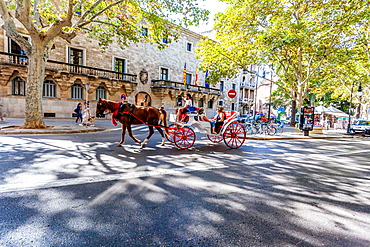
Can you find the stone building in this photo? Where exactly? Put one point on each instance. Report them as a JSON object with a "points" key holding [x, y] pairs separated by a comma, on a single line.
{"points": [[80, 71]]}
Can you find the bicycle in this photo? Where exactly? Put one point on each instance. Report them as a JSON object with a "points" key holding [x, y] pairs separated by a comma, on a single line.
{"points": [[279, 128]]}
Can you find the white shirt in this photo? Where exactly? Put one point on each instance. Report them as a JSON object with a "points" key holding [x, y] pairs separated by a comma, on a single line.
{"points": [[188, 102]]}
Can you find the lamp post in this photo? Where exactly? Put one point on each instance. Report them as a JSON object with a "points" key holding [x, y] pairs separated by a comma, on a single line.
{"points": [[359, 92], [87, 86]]}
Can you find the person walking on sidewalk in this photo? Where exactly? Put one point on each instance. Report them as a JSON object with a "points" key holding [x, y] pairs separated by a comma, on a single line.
{"points": [[78, 111], [1, 110]]}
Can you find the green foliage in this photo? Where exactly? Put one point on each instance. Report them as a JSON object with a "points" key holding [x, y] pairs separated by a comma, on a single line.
{"points": [[301, 38], [110, 20]]}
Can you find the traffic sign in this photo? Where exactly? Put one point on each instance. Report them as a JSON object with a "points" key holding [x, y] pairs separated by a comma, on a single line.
{"points": [[231, 93]]}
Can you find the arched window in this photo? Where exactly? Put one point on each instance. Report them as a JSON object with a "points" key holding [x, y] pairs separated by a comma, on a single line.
{"points": [[49, 89], [179, 100], [77, 91], [210, 104], [101, 92], [201, 102], [18, 86]]}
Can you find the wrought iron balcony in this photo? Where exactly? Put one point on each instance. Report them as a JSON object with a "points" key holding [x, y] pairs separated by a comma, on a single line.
{"points": [[166, 84], [21, 60]]}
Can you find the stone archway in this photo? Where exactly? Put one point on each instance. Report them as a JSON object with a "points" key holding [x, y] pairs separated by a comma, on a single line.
{"points": [[143, 99]]}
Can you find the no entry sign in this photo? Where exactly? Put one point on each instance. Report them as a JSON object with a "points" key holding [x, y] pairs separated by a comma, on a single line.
{"points": [[231, 93]]}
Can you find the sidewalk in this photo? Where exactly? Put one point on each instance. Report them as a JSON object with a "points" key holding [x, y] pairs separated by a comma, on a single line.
{"points": [[56, 126], [292, 133], [68, 126]]}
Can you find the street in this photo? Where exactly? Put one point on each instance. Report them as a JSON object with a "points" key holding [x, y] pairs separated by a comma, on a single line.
{"points": [[82, 190]]}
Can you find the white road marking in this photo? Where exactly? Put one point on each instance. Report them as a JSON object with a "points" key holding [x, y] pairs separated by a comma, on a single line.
{"points": [[104, 178]]}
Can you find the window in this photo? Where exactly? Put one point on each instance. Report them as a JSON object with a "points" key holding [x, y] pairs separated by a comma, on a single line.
{"points": [[101, 93], [201, 102], [188, 78], [234, 86], [210, 103], [221, 86], [233, 106], [77, 91], [220, 103], [75, 56], [189, 46], [144, 31], [18, 85], [16, 49], [179, 101], [164, 74], [120, 65], [48, 89]]}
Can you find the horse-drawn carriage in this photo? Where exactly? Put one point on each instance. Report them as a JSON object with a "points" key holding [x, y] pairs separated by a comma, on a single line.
{"points": [[183, 134], [180, 133]]}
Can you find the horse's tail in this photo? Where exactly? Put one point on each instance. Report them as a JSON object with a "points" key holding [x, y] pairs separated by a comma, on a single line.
{"points": [[163, 119]]}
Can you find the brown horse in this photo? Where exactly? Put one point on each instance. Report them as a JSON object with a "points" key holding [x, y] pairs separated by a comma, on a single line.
{"points": [[128, 114]]}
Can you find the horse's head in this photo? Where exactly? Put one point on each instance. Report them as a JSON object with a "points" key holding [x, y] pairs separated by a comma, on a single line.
{"points": [[102, 108]]}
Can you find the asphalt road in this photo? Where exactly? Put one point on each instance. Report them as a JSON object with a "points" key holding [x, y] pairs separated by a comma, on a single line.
{"points": [[82, 190]]}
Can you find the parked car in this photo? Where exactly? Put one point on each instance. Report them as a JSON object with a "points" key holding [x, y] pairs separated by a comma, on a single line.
{"points": [[367, 131], [359, 126]]}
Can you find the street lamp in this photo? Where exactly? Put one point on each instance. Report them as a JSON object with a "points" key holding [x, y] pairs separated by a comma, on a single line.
{"points": [[359, 93], [87, 86]]}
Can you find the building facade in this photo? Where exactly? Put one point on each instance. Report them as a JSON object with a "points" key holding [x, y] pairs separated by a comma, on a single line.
{"points": [[80, 71]]}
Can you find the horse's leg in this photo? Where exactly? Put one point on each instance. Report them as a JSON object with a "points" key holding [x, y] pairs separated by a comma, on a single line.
{"points": [[131, 135], [161, 132], [151, 131], [122, 136]]}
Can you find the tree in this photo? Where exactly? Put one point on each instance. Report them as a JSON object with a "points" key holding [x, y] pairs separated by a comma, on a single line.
{"points": [[105, 20], [298, 37]]}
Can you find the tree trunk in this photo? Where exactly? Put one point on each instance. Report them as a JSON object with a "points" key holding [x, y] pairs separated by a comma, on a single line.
{"points": [[36, 71], [293, 113]]}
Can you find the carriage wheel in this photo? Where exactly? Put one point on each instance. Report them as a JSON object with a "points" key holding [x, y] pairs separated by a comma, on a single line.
{"points": [[234, 135], [184, 137], [215, 138], [171, 132]]}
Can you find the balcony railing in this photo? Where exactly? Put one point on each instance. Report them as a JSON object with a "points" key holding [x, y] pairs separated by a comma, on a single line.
{"points": [[21, 60], [166, 84]]}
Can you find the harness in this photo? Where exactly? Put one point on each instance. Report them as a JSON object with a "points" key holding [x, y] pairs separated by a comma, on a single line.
{"points": [[118, 112]]}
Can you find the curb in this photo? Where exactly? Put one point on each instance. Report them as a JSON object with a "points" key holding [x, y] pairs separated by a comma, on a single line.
{"points": [[298, 138], [46, 132]]}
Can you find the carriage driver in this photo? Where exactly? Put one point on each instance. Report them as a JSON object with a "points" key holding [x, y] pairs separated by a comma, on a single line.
{"points": [[188, 103]]}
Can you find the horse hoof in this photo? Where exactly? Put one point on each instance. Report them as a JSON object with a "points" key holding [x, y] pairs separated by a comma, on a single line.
{"points": [[119, 145]]}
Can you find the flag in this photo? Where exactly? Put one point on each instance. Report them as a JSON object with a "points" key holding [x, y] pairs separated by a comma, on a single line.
{"points": [[206, 80], [196, 76], [184, 79]]}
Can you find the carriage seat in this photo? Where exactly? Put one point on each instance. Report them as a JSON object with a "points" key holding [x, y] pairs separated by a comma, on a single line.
{"points": [[191, 110], [229, 115]]}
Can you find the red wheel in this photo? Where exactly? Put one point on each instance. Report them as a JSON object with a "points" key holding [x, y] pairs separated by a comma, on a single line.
{"points": [[171, 132], [234, 135], [184, 137], [215, 138]]}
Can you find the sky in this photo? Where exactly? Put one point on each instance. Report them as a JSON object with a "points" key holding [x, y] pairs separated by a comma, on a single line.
{"points": [[214, 6]]}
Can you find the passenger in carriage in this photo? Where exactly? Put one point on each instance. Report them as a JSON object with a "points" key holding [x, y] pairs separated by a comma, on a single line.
{"points": [[188, 103], [202, 115], [216, 122]]}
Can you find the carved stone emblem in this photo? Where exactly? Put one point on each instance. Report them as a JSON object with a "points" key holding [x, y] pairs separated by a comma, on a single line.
{"points": [[143, 76]]}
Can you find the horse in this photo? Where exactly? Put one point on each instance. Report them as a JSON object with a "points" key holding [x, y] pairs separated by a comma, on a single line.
{"points": [[128, 114]]}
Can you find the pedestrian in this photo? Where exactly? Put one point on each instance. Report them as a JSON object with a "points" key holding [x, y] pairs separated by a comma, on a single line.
{"points": [[86, 115], [1, 110], [78, 112]]}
